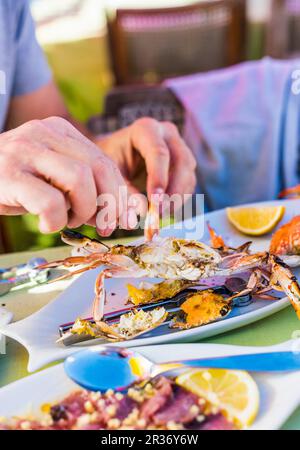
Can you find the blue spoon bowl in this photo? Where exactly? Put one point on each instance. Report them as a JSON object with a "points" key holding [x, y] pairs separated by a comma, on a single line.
{"points": [[102, 368]]}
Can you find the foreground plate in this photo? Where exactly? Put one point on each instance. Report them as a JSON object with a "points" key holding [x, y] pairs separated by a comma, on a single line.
{"points": [[279, 395], [5, 318], [39, 331]]}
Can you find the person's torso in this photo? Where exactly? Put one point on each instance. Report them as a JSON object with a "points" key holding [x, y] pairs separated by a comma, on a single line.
{"points": [[7, 56], [242, 124]]}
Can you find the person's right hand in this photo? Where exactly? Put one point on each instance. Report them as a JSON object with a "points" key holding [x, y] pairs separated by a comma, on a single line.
{"points": [[50, 169]]}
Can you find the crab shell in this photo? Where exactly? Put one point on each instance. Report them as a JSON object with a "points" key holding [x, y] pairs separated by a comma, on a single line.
{"points": [[170, 258], [129, 326], [286, 242], [200, 309], [133, 324]]}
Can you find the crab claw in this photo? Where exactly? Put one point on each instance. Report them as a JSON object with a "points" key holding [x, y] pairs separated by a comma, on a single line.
{"points": [[283, 278], [290, 192], [82, 242]]}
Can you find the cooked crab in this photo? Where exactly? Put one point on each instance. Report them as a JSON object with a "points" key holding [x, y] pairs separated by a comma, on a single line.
{"points": [[285, 242], [129, 326], [175, 259], [292, 192], [150, 293], [200, 309], [168, 258]]}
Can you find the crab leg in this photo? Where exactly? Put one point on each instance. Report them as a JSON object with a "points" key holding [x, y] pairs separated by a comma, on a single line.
{"points": [[241, 262], [72, 261], [89, 262], [75, 272], [100, 292], [262, 294], [290, 192], [251, 285], [216, 240], [283, 279]]}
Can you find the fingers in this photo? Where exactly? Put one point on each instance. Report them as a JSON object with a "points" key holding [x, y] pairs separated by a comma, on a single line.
{"points": [[73, 178], [53, 171], [137, 200], [110, 185], [42, 199], [11, 210], [147, 137], [70, 172], [182, 178], [169, 162], [113, 199]]}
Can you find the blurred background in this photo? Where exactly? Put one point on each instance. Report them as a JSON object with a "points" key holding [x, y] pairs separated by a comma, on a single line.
{"points": [[109, 58]]}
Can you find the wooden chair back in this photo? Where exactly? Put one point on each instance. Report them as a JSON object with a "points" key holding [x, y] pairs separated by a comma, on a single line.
{"points": [[149, 45]]}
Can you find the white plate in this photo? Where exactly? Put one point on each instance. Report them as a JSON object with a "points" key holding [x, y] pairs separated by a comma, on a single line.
{"points": [[5, 318], [279, 395], [39, 331]]}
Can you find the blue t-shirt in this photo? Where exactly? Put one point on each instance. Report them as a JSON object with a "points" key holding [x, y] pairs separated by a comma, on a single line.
{"points": [[23, 67], [243, 125]]}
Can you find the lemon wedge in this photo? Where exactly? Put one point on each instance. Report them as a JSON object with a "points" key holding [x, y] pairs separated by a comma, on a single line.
{"points": [[255, 221], [234, 392]]}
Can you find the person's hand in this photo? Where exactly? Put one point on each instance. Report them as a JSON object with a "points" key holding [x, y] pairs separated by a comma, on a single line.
{"points": [[169, 163], [50, 169]]}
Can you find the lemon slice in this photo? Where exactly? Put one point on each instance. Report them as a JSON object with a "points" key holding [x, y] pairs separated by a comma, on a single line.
{"points": [[255, 221], [234, 392]]}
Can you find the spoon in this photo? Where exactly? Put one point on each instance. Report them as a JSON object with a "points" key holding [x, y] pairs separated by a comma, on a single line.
{"points": [[103, 368]]}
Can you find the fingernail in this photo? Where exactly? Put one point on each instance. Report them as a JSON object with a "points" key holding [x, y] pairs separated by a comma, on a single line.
{"points": [[158, 191], [131, 218], [158, 195], [133, 202], [106, 232], [107, 229], [111, 225]]}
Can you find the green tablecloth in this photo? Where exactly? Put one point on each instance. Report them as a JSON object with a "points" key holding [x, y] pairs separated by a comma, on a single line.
{"points": [[275, 329]]}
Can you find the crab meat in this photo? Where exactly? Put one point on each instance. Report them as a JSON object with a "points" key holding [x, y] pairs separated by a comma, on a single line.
{"points": [[129, 326], [200, 309], [133, 324], [149, 293]]}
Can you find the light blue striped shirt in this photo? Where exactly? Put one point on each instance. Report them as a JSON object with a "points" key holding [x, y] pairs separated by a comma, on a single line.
{"points": [[23, 67]]}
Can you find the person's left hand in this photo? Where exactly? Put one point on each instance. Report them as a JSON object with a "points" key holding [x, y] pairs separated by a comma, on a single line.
{"points": [[170, 164]]}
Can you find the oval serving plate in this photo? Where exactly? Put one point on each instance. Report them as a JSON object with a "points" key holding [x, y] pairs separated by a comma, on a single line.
{"points": [[39, 332]]}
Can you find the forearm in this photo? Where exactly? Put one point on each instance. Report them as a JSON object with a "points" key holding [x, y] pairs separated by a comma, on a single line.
{"points": [[46, 102]]}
